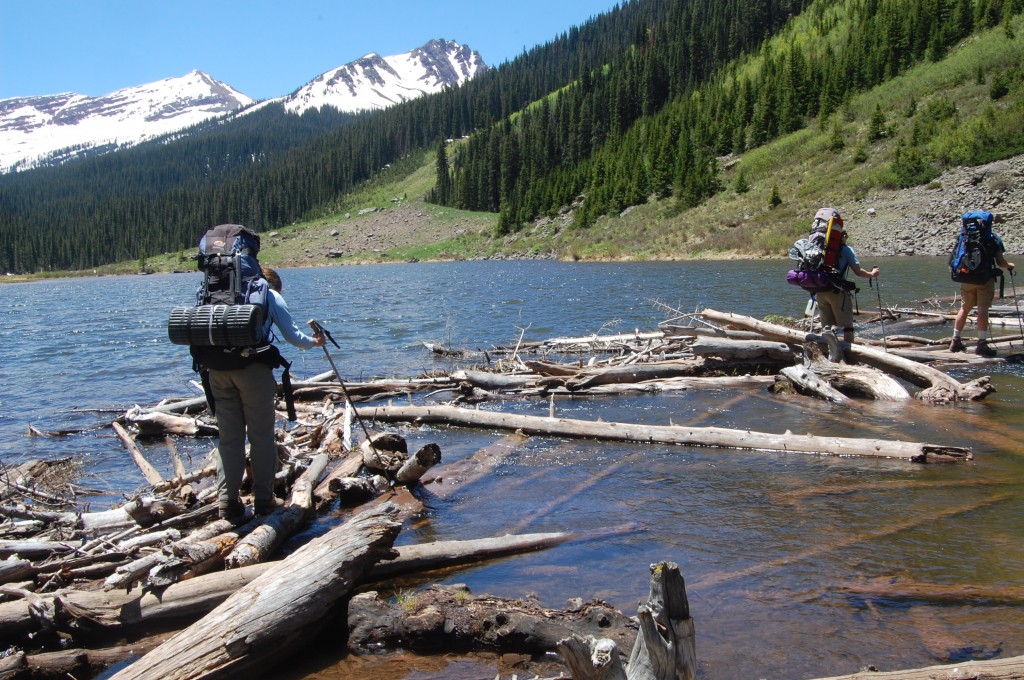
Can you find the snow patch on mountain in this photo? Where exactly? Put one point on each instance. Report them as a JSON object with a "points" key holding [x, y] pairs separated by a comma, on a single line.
{"points": [[55, 128], [376, 82], [32, 129]]}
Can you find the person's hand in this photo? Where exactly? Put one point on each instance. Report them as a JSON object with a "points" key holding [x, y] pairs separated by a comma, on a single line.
{"points": [[319, 339], [874, 273], [1010, 266]]}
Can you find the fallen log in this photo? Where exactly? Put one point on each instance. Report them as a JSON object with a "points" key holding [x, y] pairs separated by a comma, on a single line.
{"points": [[670, 434], [151, 423], [70, 663], [743, 350], [262, 541], [262, 619], [861, 381], [148, 471], [939, 387], [634, 373], [493, 381], [417, 465], [1011, 668], [806, 381]]}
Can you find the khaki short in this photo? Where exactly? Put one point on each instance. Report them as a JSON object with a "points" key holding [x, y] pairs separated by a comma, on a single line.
{"points": [[836, 309], [978, 294]]}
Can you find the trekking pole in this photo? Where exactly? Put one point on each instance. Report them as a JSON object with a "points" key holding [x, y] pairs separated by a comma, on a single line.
{"points": [[877, 285], [1016, 305], [318, 329]]}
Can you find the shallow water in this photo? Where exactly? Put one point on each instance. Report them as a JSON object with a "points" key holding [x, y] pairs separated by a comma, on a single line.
{"points": [[764, 540]]}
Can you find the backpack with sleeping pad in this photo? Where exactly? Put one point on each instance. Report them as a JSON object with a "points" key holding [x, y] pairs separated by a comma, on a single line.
{"points": [[817, 256], [972, 259], [224, 330]]}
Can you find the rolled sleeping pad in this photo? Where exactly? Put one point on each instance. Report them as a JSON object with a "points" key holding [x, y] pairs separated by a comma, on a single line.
{"points": [[216, 325]]}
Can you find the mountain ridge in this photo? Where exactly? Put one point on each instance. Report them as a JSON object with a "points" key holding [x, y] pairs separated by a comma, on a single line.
{"points": [[48, 129]]}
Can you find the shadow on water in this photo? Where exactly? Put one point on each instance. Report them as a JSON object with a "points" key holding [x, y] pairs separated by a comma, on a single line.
{"points": [[766, 541]]}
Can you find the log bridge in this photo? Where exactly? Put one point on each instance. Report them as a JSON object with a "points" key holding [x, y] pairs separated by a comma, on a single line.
{"points": [[669, 434]]}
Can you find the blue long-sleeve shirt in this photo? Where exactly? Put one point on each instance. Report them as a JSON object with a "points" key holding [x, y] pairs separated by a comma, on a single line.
{"points": [[278, 315]]}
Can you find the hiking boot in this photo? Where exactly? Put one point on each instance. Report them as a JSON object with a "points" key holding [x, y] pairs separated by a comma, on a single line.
{"points": [[957, 345], [267, 507], [233, 511], [984, 349]]}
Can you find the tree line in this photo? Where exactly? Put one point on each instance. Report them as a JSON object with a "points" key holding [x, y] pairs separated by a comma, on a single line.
{"points": [[636, 102], [696, 84]]}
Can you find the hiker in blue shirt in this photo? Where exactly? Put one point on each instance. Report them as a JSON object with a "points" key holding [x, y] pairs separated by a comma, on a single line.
{"points": [[245, 406], [836, 306], [981, 292]]}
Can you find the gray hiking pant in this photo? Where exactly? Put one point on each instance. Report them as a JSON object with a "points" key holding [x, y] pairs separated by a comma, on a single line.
{"points": [[245, 406]]}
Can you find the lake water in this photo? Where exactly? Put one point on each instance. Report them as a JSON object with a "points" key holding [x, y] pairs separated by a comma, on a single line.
{"points": [[765, 541]]}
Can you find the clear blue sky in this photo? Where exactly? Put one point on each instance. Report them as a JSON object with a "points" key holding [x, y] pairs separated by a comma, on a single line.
{"points": [[264, 48]]}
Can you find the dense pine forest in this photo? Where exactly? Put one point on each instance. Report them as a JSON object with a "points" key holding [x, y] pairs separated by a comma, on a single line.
{"points": [[638, 102]]}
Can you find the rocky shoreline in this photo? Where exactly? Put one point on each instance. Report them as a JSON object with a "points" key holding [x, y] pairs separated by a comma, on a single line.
{"points": [[925, 220]]}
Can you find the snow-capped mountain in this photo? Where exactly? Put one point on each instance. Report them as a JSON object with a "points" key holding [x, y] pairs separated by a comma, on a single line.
{"points": [[33, 129], [376, 82]]}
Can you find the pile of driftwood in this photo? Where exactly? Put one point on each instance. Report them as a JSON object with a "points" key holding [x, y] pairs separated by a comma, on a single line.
{"points": [[201, 596]]}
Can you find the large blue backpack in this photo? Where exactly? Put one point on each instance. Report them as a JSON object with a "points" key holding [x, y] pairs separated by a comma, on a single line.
{"points": [[972, 259]]}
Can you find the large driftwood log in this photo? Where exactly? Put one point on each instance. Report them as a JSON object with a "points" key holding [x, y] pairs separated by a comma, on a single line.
{"points": [[862, 381], [838, 381], [264, 618], [670, 434], [939, 387]]}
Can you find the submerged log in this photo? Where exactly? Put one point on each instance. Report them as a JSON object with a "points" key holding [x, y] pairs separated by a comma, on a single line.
{"points": [[670, 434], [275, 611], [956, 594]]}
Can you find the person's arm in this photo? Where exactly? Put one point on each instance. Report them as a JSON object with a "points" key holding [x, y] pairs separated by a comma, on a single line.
{"points": [[855, 264], [863, 273], [282, 318]]}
